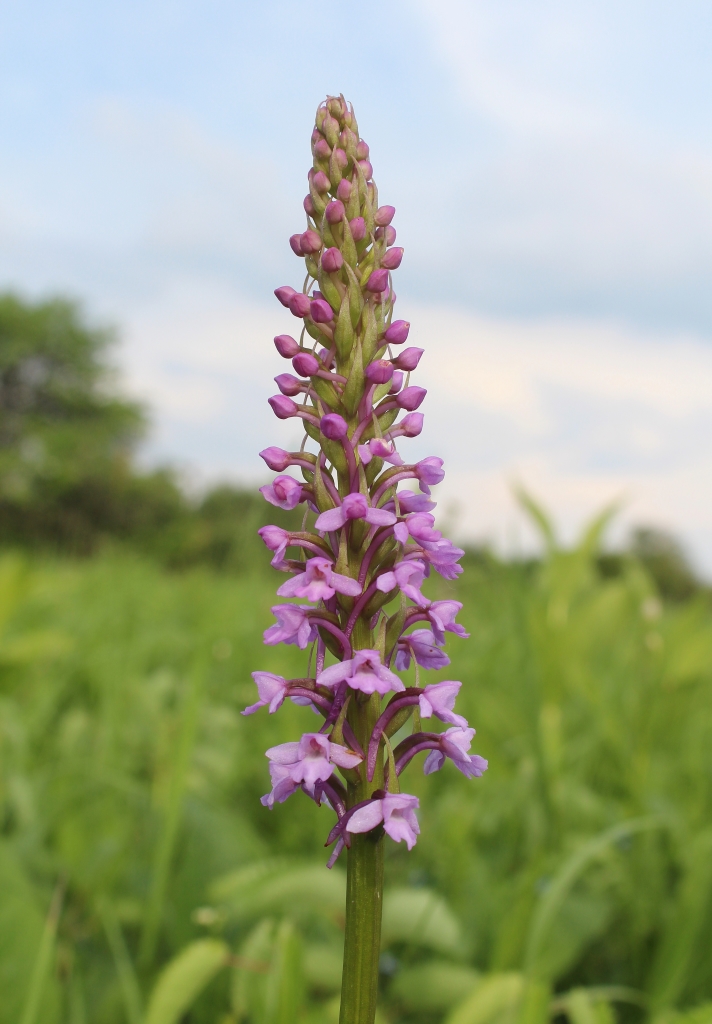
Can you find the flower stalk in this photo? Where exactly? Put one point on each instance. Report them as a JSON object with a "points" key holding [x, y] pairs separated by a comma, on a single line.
{"points": [[364, 549]]}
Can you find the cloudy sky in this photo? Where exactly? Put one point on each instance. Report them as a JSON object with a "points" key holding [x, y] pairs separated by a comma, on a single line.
{"points": [[551, 164]]}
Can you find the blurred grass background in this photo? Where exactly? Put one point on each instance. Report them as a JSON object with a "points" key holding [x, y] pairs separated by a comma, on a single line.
{"points": [[141, 880]]}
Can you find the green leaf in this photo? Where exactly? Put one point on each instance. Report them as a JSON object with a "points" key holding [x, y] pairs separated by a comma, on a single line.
{"points": [[432, 987], [419, 917], [279, 886], [181, 982], [495, 999]]}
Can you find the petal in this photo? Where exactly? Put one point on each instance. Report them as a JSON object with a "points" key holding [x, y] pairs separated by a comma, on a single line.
{"points": [[345, 585], [343, 757], [400, 532], [364, 453], [254, 707], [366, 818], [379, 517], [335, 673], [333, 519], [284, 753], [386, 582], [289, 589], [398, 829], [433, 762]]}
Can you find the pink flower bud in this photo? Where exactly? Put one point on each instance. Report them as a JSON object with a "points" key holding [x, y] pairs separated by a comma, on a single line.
{"points": [[411, 398], [379, 371], [286, 346], [397, 333], [334, 426], [284, 294], [310, 242], [366, 168], [309, 206], [332, 260], [322, 149], [276, 459], [288, 384], [392, 258], [343, 192], [299, 304], [295, 243], [378, 280], [305, 364], [335, 211], [362, 150], [341, 159], [321, 182], [358, 228], [412, 424], [388, 233], [321, 311], [315, 136], [384, 215], [408, 359], [396, 383], [283, 407]]}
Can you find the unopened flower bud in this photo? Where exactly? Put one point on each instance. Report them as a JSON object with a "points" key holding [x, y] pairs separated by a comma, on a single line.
{"points": [[295, 243], [335, 211], [276, 459], [330, 128], [397, 333], [411, 398], [362, 150], [379, 371], [334, 426], [321, 182], [321, 311], [384, 215], [283, 407], [358, 228], [388, 233], [310, 242], [286, 346], [299, 304], [378, 280], [341, 159], [332, 260], [408, 359], [288, 384], [322, 149], [285, 294], [343, 192], [367, 169], [412, 424], [392, 258], [397, 382], [309, 206], [305, 364]]}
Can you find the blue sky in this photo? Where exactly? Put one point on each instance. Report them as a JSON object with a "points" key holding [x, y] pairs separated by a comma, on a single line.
{"points": [[551, 164]]}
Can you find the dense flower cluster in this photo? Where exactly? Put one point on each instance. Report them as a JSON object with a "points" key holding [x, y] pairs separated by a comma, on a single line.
{"points": [[370, 545]]}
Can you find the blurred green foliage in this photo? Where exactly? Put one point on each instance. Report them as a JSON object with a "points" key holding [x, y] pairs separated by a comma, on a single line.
{"points": [[143, 882]]}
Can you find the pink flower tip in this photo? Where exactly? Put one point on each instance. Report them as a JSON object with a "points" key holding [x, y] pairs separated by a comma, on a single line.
{"points": [[397, 333], [378, 280], [333, 426], [286, 346], [321, 311], [379, 371], [305, 364], [332, 260], [283, 407], [384, 215], [335, 211], [284, 294]]}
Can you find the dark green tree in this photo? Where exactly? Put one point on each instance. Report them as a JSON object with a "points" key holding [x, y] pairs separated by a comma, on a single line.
{"points": [[67, 438]]}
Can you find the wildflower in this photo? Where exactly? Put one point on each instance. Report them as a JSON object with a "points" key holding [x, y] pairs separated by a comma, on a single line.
{"points": [[363, 672], [396, 811], [319, 582], [292, 626], [308, 761]]}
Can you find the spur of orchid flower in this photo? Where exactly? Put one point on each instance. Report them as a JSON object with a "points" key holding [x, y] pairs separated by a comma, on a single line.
{"points": [[357, 566]]}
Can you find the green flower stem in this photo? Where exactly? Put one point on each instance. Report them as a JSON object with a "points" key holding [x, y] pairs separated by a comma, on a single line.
{"points": [[364, 878]]}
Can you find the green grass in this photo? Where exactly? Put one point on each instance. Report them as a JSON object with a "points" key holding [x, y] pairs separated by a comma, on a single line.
{"points": [[573, 880]]}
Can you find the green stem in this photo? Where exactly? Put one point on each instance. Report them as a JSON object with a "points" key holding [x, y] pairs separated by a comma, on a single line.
{"points": [[364, 876], [364, 905]]}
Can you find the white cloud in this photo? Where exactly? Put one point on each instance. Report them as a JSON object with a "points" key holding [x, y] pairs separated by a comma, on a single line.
{"points": [[583, 414]]}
